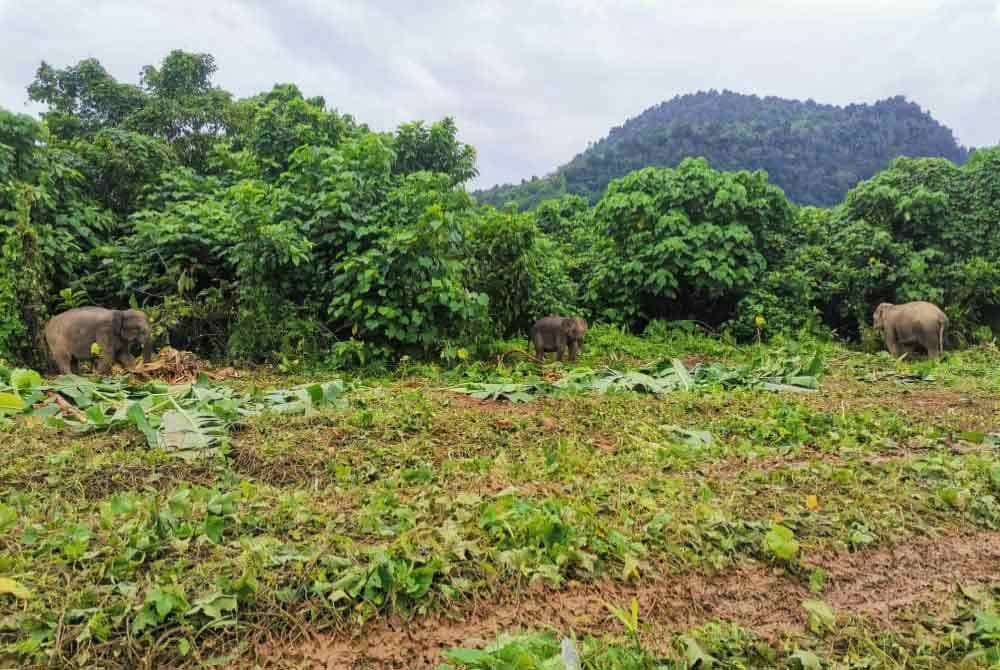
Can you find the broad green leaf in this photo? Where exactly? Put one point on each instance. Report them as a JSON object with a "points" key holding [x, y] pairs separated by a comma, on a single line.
{"points": [[214, 527], [191, 433], [821, 616], [11, 402], [137, 417], [987, 622], [683, 377], [22, 379], [806, 660], [781, 542], [474, 657], [214, 605], [973, 436], [14, 588], [96, 415]]}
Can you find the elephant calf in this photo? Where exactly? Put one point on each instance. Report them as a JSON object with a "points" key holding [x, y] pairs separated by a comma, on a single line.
{"points": [[71, 335], [910, 324], [558, 333]]}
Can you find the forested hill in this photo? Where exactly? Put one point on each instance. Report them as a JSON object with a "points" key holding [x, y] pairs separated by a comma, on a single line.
{"points": [[815, 152]]}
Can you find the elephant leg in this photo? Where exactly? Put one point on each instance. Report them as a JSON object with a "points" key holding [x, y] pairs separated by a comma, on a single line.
{"points": [[931, 345], [107, 358], [125, 359], [890, 342], [574, 351], [539, 347], [560, 348], [64, 362]]}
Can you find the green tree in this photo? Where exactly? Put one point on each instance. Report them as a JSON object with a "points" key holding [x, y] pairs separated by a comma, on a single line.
{"points": [[433, 149], [83, 99], [684, 243]]}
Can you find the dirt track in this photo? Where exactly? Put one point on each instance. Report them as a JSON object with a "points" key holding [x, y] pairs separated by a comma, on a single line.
{"points": [[882, 585]]}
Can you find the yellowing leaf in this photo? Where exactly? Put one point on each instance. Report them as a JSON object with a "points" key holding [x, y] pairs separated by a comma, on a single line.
{"points": [[95, 349], [777, 517], [14, 588], [11, 401], [812, 503]]}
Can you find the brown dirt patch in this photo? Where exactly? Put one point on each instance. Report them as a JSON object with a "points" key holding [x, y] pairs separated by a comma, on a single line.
{"points": [[884, 583], [282, 469], [881, 584], [732, 469], [99, 484], [938, 407]]}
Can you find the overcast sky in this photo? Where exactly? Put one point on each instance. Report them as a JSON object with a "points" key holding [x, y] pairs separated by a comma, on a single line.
{"points": [[531, 82]]}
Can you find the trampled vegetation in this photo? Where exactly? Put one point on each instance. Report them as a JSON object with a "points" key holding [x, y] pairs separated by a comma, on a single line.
{"points": [[390, 481], [401, 520]]}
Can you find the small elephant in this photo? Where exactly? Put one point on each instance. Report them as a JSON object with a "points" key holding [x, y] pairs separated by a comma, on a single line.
{"points": [[910, 324], [71, 335], [558, 333]]}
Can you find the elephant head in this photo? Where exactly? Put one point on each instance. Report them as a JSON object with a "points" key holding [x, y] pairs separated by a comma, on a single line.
{"points": [[133, 326], [878, 320], [575, 328]]}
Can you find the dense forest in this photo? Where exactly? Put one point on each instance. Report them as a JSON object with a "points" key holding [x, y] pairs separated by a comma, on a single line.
{"points": [[815, 152], [276, 225]]}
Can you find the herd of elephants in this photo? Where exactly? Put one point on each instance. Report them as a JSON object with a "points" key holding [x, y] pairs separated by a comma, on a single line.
{"points": [[83, 333]]}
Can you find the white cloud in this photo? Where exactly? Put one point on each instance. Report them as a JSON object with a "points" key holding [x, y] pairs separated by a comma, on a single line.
{"points": [[530, 82]]}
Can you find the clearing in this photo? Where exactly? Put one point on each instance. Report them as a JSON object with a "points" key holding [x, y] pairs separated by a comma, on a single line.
{"points": [[422, 519]]}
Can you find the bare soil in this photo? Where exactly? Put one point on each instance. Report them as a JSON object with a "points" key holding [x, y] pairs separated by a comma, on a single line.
{"points": [[885, 585]]}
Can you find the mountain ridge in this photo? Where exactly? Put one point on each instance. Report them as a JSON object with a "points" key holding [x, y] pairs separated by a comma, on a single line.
{"points": [[815, 151]]}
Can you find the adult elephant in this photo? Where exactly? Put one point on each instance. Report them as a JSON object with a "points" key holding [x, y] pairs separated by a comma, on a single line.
{"points": [[72, 334], [908, 325]]}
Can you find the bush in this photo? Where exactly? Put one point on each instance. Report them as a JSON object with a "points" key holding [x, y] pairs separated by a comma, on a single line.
{"points": [[684, 243], [521, 270]]}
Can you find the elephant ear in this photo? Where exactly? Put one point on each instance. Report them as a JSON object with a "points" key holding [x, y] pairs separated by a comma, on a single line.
{"points": [[117, 322], [878, 318]]}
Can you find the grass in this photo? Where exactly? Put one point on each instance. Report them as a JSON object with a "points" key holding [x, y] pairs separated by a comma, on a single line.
{"points": [[412, 502]]}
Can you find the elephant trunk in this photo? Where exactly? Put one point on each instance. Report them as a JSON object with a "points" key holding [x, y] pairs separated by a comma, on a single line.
{"points": [[147, 349]]}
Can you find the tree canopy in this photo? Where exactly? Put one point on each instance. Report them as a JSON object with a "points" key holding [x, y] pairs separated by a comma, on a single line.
{"points": [[276, 225]]}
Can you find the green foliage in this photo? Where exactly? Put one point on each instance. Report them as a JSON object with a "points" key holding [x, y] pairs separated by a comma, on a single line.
{"points": [[684, 243], [397, 501], [521, 270], [273, 125], [189, 420], [780, 541], [276, 228], [921, 230], [801, 145], [419, 148], [119, 164], [174, 102], [778, 372]]}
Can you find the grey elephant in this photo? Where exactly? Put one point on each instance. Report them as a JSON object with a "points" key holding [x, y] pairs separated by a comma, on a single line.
{"points": [[558, 333], [71, 335], [908, 325]]}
